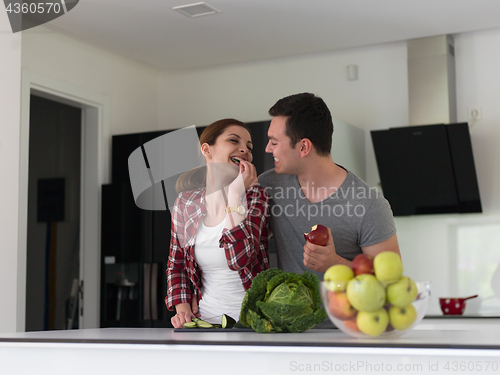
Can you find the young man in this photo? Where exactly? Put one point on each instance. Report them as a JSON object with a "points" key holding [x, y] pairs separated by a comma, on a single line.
{"points": [[307, 188]]}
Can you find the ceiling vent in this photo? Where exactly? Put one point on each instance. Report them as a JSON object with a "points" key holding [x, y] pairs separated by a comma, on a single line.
{"points": [[196, 10]]}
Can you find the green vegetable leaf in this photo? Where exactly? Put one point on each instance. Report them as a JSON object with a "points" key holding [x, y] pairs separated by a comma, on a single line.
{"points": [[281, 301]]}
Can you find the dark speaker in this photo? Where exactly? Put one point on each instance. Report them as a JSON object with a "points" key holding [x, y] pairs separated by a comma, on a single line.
{"points": [[51, 199]]}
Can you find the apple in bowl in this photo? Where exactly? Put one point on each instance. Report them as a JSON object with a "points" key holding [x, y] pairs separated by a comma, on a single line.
{"points": [[362, 263], [339, 275], [385, 304], [368, 324], [340, 307]]}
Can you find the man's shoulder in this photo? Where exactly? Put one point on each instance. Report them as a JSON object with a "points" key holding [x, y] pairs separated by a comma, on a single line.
{"points": [[357, 182], [356, 188], [272, 179], [267, 176]]}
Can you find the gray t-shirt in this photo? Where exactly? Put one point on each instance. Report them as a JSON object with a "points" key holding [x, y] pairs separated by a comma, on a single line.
{"points": [[358, 215]]}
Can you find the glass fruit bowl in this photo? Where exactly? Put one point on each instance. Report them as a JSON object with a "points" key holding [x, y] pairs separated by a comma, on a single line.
{"points": [[375, 324]]}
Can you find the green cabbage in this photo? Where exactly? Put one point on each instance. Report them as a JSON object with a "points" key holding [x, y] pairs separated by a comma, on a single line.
{"points": [[281, 301]]}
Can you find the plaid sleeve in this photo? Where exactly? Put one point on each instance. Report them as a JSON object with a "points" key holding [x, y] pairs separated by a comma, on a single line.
{"points": [[245, 245], [178, 285]]}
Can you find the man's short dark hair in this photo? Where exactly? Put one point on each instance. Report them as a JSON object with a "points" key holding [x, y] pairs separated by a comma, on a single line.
{"points": [[307, 117]]}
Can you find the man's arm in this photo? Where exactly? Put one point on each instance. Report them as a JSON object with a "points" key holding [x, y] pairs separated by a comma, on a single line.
{"points": [[320, 258], [390, 244]]}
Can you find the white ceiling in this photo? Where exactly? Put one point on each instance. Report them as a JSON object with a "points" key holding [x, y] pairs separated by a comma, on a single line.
{"points": [[150, 32]]}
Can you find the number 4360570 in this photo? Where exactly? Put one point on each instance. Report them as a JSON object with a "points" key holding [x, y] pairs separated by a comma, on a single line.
{"points": [[33, 8], [471, 366]]}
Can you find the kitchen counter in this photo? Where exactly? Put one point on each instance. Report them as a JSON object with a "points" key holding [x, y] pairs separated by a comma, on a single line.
{"points": [[435, 333], [435, 345]]}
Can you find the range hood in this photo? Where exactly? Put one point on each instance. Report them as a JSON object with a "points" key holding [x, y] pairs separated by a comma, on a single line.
{"points": [[431, 80], [428, 167]]}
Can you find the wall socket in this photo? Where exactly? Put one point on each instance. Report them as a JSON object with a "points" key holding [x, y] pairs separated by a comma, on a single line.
{"points": [[474, 113]]}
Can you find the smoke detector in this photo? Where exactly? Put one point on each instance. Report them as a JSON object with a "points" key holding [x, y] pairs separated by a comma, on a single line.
{"points": [[196, 9]]}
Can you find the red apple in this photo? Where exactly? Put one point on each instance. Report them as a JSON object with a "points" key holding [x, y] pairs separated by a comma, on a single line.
{"points": [[340, 307], [318, 235], [351, 324], [362, 263]]}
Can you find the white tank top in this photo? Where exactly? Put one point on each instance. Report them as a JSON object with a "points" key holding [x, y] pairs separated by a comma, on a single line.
{"points": [[222, 291]]}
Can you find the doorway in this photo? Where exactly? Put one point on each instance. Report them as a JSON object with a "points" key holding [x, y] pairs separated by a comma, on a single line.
{"points": [[95, 171], [52, 262]]}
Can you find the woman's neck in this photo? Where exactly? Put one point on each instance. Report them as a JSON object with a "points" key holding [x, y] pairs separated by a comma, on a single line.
{"points": [[216, 201], [216, 208]]}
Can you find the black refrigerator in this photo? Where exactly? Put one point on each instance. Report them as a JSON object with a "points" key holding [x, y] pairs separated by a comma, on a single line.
{"points": [[134, 248]]}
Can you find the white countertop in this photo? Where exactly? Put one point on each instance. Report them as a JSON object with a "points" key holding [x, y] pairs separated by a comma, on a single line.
{"points": [[466, 346], [464, 333]]}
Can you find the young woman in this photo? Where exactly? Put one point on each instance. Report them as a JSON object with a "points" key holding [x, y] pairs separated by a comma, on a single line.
{"points": [[219, 229]]}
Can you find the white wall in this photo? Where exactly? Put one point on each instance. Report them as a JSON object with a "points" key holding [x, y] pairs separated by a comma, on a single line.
{"points": [[348, 148], [478, 75], [10, 101], [247, 91], [132, 87], [378, 100]]}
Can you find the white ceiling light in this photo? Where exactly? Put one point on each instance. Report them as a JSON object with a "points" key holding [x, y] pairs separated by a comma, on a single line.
{"points": [[196, 9]]}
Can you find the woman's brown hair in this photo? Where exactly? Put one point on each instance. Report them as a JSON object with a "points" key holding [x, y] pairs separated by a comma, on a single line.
{"points": [[196, 178]]}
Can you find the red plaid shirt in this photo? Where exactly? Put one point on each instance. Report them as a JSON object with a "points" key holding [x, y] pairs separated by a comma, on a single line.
{"points": [[245, 245]]}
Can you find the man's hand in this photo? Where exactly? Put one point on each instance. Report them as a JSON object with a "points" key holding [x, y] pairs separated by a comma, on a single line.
{"points": [[320, 258]]}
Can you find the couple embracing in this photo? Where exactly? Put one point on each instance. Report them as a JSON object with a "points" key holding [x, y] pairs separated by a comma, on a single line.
{"points": [[224, 214]]}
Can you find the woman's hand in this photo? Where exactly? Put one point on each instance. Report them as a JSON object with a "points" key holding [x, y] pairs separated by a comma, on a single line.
{"points": [[245, 179], [249, 174], [185, 313]]}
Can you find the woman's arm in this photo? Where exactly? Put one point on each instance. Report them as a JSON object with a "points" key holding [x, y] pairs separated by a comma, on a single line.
{"points": [[246, 178], [178, 290], [247, 241]]}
